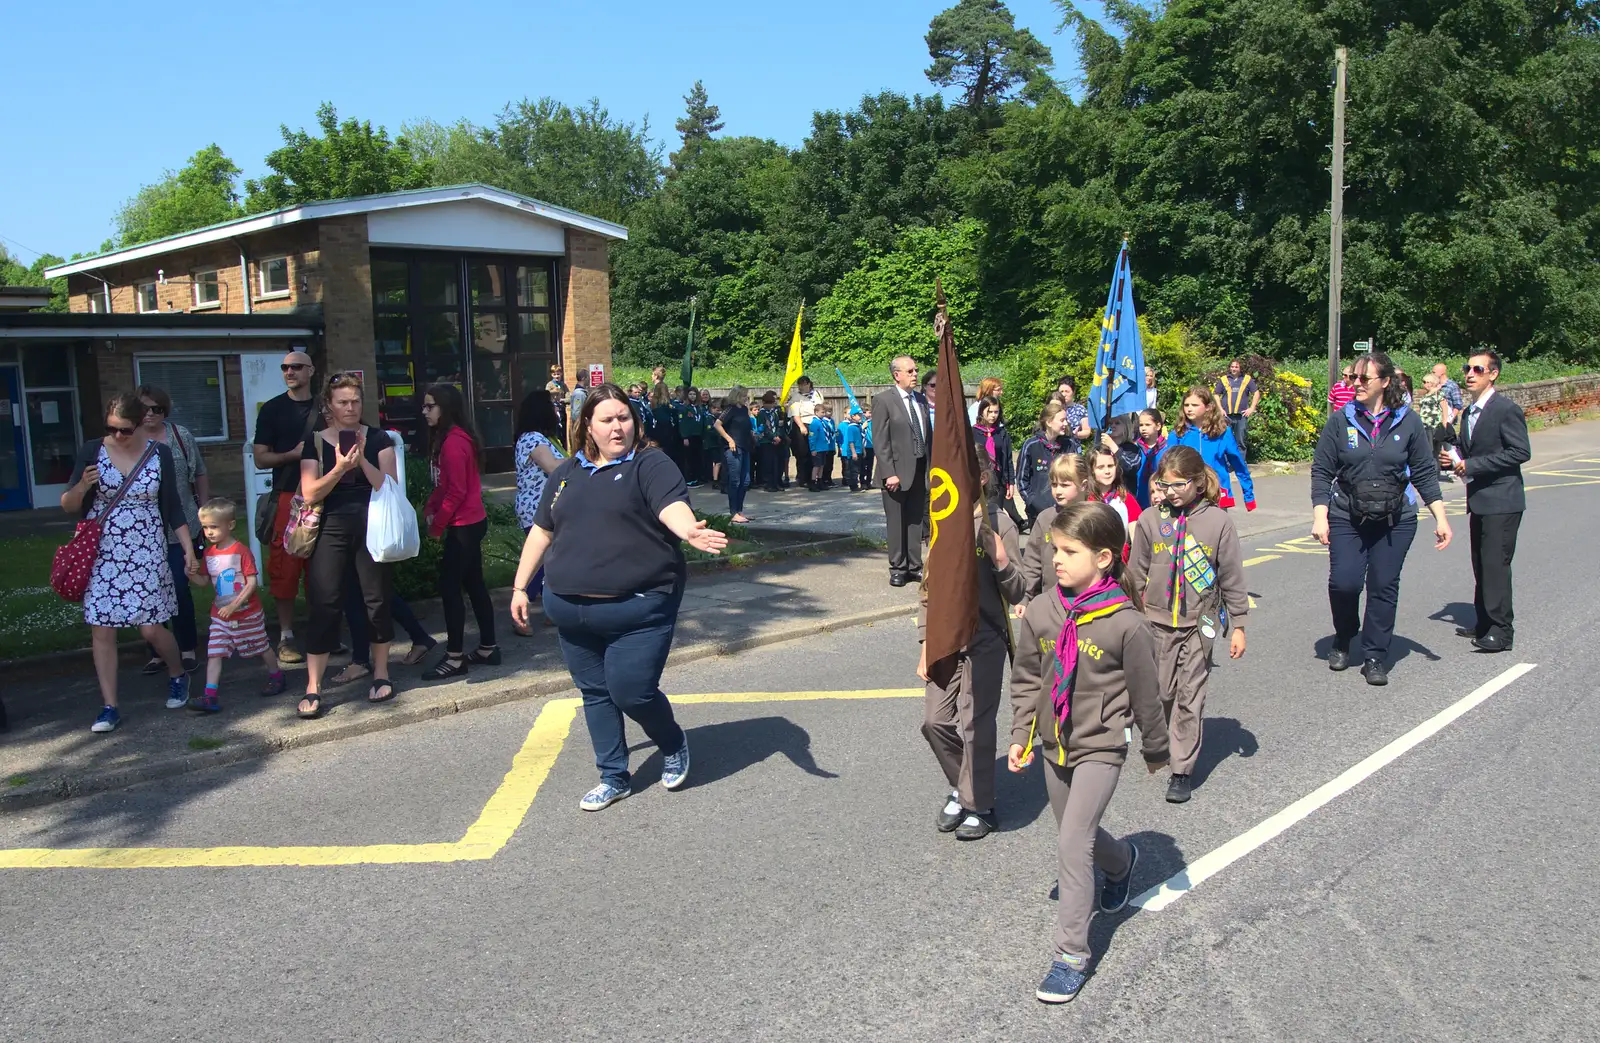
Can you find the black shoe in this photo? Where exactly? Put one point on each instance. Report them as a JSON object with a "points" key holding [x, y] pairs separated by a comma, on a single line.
{"points": [[1466, 631], [897, 579], [914, 575], [1114, 893], [948, 820], [1491, 643], [482, 656], [1339, 659], [1178, 790], [975, 825], [1375, 673], [154, 666]]}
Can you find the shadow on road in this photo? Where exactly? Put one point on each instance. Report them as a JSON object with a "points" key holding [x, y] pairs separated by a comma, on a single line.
{"points": [[1018, 799], [1458, 613], [1224, 737], [1159, 858], [726, 748], [1400, 646]]}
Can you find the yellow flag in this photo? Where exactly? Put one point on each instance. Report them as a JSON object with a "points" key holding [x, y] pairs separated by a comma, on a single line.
{"points": [[792, 371]]}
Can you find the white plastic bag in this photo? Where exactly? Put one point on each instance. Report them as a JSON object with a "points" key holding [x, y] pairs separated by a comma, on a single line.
{"points": [[392, 533]]}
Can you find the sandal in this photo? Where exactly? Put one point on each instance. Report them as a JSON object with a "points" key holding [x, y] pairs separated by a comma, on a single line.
{"points": [[417, 653], [445, 671], [485, 655], [382, 691], [315, 699], [349, 673], [155, 666], [520, 630]]}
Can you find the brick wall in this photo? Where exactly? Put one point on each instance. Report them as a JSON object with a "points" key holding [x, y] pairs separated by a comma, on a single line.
{"points": [[298, 243], [586, 306], [345, 283], [1561, 395]]}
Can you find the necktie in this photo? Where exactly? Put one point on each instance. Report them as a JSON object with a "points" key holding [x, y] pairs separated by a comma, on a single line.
{"points": [[1472, 419], [919, 442]]}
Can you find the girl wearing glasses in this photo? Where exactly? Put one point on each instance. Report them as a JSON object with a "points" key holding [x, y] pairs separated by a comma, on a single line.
{"points": [[1187, 570], [131, 584]]}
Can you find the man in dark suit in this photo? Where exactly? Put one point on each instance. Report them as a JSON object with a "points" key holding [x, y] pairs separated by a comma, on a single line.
{"points": [[901, 433], [1493, 445]]}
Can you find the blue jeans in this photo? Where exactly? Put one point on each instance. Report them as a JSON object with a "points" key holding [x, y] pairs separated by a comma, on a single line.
{"points": [[615, 649], [736, 477]]}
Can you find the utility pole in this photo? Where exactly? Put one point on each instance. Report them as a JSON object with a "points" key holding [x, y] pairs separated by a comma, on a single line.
{"points": [[1336, 252]]}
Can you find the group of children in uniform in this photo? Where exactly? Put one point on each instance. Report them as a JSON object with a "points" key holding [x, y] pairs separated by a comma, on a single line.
{"points": [[683, 427], [1121, 594]]}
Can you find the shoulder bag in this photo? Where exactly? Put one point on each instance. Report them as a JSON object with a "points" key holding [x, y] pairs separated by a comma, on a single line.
{"points": [[73, 563], [267, 502], [305, 523]]}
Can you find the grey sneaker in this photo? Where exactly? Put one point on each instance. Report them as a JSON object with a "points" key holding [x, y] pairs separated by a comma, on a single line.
{"points": [[675, 767], [603, 796]]}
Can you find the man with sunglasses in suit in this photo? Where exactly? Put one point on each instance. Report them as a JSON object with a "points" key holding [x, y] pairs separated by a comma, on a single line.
{"points": [[1491, 449]]}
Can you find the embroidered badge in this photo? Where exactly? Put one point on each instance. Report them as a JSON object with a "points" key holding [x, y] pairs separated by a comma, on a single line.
{"points": [[1197, 568], [1208, 627], [1351, 437]]}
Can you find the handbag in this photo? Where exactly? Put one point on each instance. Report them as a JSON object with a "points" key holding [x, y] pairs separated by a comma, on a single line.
{"points": [[305, 525], [1374, 499], [73, 563], [267, 502]]}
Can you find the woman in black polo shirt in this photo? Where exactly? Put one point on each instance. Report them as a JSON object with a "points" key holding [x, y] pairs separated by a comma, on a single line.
{"points": [[1364, 514], [611, 519]]}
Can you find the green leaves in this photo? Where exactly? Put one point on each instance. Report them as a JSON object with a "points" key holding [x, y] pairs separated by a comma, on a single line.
{"points": [[349, 159], [203, 193]]}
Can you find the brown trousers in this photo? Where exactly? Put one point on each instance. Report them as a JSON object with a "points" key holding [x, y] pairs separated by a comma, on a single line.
{"points": [[959, 723], [1078, 798], [1183, 662]]}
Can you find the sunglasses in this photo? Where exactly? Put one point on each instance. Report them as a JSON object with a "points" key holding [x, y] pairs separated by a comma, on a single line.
{"points": [[120, 432], [1470, 368], [1362, 378], [1168, 487], [290, 367], [157, 410]]}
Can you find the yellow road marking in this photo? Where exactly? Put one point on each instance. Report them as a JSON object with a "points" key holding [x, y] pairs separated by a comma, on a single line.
{"points": [[495, 825], [1258, 560]]}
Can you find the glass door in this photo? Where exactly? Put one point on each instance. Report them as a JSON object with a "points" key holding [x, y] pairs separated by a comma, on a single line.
{"points": [[13, 444]]}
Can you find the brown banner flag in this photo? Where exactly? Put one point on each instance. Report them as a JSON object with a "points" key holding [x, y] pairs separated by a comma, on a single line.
{"points": [[953, 491]]}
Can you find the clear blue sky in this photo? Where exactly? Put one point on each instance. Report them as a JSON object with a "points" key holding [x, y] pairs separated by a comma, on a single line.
{"points": [[106, 98]]}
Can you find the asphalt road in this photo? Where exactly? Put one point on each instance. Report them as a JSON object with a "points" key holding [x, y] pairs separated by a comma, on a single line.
{"points": [[796, 890]]}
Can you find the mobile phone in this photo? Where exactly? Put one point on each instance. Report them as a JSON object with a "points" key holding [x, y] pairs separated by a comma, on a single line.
{"points": [[348, 440]]}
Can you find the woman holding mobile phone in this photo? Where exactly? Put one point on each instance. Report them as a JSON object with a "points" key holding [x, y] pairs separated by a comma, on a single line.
{"points": [[339, 468]]}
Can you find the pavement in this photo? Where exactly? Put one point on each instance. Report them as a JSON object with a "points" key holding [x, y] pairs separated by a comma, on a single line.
{"points": [[1407, 863]]}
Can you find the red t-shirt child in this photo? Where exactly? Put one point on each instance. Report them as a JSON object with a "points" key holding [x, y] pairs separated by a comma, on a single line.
{"points": [[228, 567]]}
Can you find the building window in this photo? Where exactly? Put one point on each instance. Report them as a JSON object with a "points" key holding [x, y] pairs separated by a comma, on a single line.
{"points": [[195, 384], [97, 303], [207, 288], [274, 276], [145, 293]]}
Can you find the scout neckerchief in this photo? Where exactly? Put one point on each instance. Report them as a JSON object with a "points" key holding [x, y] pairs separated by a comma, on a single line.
{"points": [[1099, 601], [1191, 568]]}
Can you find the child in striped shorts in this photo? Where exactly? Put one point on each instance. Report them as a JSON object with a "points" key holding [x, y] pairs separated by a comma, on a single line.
{"points": [[238, 625]]}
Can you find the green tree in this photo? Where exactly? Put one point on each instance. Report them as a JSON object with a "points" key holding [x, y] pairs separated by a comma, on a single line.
{"points": [[580, 158], [349, 159], [701, 120], [885, 307], [204, 192], [976, 47], [14, 273]]}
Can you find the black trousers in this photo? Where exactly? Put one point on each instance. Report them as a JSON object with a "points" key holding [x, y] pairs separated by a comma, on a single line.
{"points": [[769, 465], [906, 512], [694, 458], [461, 570], [344, 541], [1494, 542], [802, 455], [1370, 557]]}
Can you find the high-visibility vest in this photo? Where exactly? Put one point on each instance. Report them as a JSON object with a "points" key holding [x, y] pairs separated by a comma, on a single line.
{"points": [[1235, 400]]}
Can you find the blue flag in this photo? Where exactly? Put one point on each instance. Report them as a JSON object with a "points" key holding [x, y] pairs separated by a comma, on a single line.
{"points": [[855, 407], [1119, 364]]}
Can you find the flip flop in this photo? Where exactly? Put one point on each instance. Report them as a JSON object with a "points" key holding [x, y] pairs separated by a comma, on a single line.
{"points": [[417, 653], [381, 692], [345, 676], [316, 707]]}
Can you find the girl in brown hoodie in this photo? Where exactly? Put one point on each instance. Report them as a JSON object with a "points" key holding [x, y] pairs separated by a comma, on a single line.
{"points": [[1188, 570], [1085, 673]]}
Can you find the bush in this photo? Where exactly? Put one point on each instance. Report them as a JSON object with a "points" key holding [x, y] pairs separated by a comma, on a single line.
{"points": [[1289, 419], [418, 577]]}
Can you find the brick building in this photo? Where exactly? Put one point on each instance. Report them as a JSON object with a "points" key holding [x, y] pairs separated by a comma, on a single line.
{"points": [[469, 285]]}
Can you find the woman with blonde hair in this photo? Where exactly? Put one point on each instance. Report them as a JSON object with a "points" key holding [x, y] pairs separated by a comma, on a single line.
{"points": [[1202, 427], [988, 387], [1037, 454]]}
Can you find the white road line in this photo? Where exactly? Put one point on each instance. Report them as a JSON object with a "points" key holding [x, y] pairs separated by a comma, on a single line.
{"points": [[1213, 862]]}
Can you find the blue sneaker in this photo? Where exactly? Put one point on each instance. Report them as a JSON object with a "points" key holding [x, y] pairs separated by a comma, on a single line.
{"points": [[178, 692], [1114, 893], [603, 796], [107, 721], [1066, 977], [675, 767]]}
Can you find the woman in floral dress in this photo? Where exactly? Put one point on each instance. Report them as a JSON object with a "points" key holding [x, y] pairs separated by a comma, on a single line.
{"points": [[131, 584]]}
